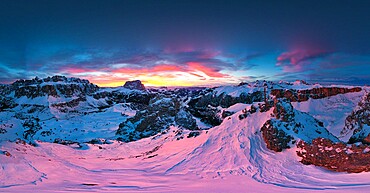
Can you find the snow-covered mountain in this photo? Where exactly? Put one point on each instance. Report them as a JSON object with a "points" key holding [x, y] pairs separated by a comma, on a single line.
{"points": [[250, 137]]}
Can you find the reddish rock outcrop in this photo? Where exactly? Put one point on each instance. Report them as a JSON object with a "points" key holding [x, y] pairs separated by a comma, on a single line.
{"points": [[275, 139], [335, 156], [315, 93], [6, 153], [283, 110]]}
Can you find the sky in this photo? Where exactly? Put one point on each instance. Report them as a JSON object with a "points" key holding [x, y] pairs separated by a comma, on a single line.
{"points": [[186, 42]]}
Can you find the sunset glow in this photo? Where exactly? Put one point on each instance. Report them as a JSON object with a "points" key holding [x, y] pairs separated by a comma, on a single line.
{"points": [[190, 74]]}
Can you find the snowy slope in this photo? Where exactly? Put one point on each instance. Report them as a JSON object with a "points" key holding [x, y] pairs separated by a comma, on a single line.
{"points": [[332, 111], [231, 157]]}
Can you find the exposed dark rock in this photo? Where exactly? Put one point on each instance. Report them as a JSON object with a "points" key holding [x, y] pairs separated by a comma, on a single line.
{"points": [[226, 114], [6, 153], [66, 142], [6, 103], [72, 103], [49, 90], [159, 115], [208, 115], [141, 98], [119, 97], [275, 139], [99, 141], [31, 126], [247, 112], [2, 131], [194, 134], [186, 120], [366, 140], [283, 110]]}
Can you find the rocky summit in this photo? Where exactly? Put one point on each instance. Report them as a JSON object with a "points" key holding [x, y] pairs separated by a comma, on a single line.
{"points": [[135, 84]]}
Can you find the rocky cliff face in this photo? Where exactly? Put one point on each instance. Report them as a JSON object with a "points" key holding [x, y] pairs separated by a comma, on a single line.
{"points": [[358, 122], [276, 139], [315, 93], [55, 86]]}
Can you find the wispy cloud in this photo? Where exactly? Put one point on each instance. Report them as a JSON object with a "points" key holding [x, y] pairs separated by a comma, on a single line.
{"points": [[323, 66], [300, 60]]}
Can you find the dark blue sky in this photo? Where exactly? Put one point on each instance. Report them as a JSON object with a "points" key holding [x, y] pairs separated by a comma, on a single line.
{"points": [[186, 42]]}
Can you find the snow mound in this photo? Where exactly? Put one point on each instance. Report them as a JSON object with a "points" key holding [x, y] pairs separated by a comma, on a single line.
{"points": [[236, 147]]}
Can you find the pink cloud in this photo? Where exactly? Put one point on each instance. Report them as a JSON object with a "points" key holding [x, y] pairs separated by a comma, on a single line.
{"points": [[210, 71], [298, 60]]}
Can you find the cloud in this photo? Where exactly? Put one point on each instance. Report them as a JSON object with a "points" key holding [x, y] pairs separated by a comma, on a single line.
{"points": [[113, 67], [324, 67], [299, 60], [211, 71]]}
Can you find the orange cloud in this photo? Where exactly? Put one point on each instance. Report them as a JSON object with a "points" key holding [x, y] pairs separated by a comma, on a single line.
{"points": [[209, 71]]}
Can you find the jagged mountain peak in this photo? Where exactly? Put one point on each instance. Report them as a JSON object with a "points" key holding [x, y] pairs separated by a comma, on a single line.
{"points": [[52, 79], [56, 86]]}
